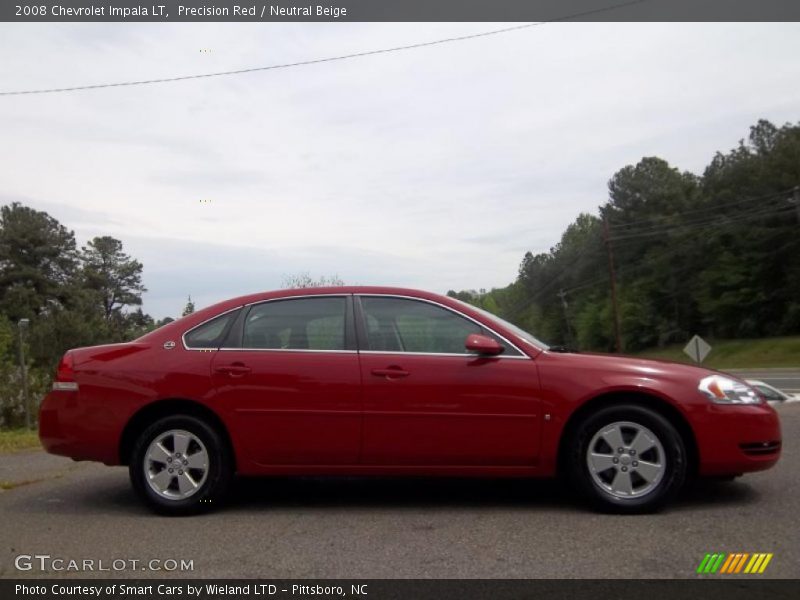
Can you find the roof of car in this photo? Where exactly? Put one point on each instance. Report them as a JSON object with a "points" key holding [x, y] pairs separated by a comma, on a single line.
{"points": [[342, 289]]}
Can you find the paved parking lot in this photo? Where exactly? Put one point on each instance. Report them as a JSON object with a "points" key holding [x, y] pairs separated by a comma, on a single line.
{"points": [[398, 528]]}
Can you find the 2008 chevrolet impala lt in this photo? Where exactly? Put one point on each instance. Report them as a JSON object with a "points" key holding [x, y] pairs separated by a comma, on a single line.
{"points": [[386, 381]]}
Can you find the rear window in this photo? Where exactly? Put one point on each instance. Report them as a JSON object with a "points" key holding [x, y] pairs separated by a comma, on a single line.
{"points": [[211, 333]]}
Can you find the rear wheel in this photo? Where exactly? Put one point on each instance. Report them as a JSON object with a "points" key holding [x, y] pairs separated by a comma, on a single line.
{"points": [[627, 459], [180, 465]]}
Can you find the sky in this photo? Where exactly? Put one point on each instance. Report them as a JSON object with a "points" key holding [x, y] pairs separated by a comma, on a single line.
{"points": [[434, 168]]}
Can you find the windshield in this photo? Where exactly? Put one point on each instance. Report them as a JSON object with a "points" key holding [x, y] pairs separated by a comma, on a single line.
{"points": [[534, 341]]}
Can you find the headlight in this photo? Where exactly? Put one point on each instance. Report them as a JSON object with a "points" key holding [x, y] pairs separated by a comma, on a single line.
{"points": [[724, 390]]}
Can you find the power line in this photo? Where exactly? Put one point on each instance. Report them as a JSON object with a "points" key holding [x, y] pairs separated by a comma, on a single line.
{"points": [[626, 270], [549, 284], [699, 225], [715, 207], [707, 222], [326, 59], [702, 219], [710, 224]]}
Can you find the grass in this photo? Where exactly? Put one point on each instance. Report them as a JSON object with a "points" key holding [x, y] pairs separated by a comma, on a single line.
{"points": [[14, 440], [738, 354]]}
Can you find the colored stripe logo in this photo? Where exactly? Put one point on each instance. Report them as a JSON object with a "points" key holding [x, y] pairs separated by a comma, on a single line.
{"points": [[734, 563]]}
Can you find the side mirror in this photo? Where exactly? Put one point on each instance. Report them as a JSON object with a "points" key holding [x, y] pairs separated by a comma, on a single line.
{"points": [[483, 344]]}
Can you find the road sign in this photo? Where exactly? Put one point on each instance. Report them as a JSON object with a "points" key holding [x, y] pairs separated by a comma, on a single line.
{"points": [[697, 349]]}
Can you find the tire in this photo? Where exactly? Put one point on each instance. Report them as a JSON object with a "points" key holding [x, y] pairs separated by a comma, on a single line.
{"points": [[615, 481], [200, 475]]}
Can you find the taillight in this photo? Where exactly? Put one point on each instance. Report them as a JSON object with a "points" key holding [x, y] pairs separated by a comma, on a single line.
{"points": [[65, 375]]}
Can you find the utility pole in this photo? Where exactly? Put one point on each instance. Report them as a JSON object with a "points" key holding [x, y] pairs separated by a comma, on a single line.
{"points": [[796, 201], [22, 326], [613, 276], [563, 295]]}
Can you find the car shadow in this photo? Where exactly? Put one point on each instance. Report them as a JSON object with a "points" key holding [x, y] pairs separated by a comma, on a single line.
{"points": [[711, 493], [432, 493], [110, 494], [398, 493]]}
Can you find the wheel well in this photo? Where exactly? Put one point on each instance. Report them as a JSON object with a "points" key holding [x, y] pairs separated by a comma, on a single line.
{"points": [[164, 408], [655, 403]]}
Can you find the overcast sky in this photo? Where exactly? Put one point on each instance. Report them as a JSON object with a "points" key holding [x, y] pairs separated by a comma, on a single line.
{"points": [[435, 168]]}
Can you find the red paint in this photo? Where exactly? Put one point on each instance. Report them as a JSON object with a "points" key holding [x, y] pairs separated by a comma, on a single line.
{"points": [[383, 413]]}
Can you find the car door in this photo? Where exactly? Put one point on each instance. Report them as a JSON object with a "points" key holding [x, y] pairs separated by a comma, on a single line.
{"points": [[289, 375], [428, 402]]}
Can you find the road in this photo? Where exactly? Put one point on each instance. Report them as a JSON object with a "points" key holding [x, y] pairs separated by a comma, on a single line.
{"points": [[787, 380], [308, 528]]}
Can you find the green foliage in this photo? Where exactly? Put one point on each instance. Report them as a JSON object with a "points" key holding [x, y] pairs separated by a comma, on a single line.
{"points": [[37, 260], [15, 440], [717, 254], [189, 308], [71, 298], [738, 354], [164, 321], [113, 276], [305, 280]]}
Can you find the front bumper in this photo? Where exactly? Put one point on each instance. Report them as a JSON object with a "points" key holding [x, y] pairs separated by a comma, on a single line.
{"points": [[735, 439]]}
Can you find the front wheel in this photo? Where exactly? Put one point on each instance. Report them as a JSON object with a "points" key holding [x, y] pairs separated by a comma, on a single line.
{"points": [[180, 465], [627, 459]]}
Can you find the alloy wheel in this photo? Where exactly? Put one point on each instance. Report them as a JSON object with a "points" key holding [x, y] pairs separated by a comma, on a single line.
{"points": [[176, 464], [626, 460]]}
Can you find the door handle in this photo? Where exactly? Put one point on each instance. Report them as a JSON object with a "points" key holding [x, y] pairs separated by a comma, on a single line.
{"points": [[233, 370], [391, 373]]}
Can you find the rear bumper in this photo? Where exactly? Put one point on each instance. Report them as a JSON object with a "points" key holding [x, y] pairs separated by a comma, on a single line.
{"points": [[67, 429], [738, 439]]}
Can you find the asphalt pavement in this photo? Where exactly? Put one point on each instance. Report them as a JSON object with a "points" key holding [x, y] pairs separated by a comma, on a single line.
{"points": [[787, 379], [386, 528]]}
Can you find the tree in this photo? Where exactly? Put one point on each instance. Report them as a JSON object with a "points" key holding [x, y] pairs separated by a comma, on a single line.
{"points": [[304, 280], [189, 308], [114, 276], [37, 260], [137, 323], [716, 254]]}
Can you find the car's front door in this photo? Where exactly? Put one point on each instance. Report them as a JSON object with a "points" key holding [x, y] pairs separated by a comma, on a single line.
{"points": [[290, 377], [428, 402]]}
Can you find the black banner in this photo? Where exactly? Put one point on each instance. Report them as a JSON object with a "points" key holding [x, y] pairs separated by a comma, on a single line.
{"points": [[732, 588], [399, 10]]}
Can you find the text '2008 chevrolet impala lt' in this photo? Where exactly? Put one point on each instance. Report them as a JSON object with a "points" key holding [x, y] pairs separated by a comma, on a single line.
{"points": [[387, 381]]}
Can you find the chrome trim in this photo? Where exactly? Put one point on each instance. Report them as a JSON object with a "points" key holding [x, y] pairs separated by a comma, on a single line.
{"points": [[286, 350], [183, 341], [295, 297], [65, 386], [464, 355], [188, 331], [345, 295], [331, 295], [453, 310]]}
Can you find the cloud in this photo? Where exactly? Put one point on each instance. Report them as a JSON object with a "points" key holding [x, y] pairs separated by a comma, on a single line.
{"points": [[434, 168]]}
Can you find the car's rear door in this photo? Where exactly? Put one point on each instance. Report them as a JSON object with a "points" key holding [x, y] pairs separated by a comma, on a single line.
{"points": [[289, 377], [428, 402]]}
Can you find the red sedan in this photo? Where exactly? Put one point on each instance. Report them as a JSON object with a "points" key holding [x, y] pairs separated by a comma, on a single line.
{"points": [[385, 381]]}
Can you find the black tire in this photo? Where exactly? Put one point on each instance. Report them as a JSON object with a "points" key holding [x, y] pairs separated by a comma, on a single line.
{"points": [[674, 460], [210, 493]]}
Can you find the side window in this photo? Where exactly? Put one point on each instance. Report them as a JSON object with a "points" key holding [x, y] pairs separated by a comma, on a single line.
{"points": [[210, 334], [401, 325], [296, 324]]}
